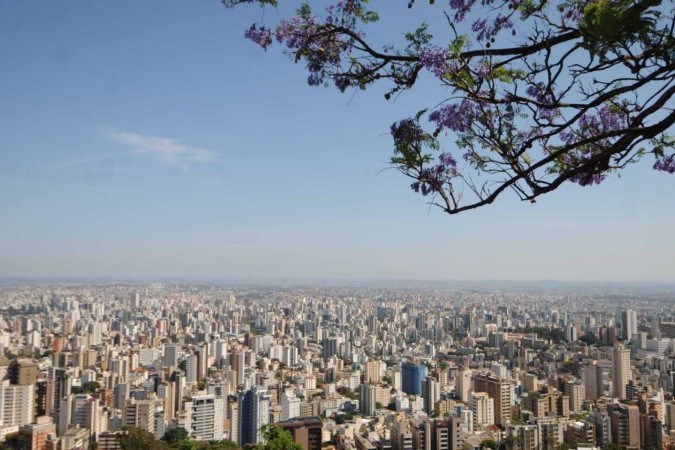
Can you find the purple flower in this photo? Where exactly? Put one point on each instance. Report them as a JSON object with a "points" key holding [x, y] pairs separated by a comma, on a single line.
{"points": [[542, 95], [462, 8], [456, 117], [447, 160], [592, 126], [488, 29], [589, 179], [483, 69], [665, 164], [479, 25], [261, 36], [342, 83], [437, 61]]}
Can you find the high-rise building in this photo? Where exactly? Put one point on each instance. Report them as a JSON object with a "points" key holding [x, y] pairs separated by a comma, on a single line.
{"points": [[670, 416], [483, 408], [205, 417], [140, 414], [290, 406], [254, 413], [372, 372], [34, 436], [44, 396], [625, 424], [17, 404], [192, 368], [306, 431], [463, 384], [576, 392], [412, 376], [436, 434], [547, 402], [500, 391], [431, 393], [22, 371], [628, 324], [579, 432], [330, 346], [202, 353], [238, 365], [367, 402], [396, 381], [524, 437], [651, 432], [621, 372], [550, 433], [62, 388], [401, 436], [171, 354]]}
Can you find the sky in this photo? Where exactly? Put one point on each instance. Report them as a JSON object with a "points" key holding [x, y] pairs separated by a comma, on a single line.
{"points": [[150, 139]]}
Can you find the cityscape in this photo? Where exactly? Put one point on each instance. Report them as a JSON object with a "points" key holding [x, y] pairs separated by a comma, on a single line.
{"points": [[337, 225], [450, 366]]}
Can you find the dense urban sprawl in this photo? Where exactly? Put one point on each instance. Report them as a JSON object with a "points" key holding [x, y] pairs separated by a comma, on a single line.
{"points": [[466, 366]]}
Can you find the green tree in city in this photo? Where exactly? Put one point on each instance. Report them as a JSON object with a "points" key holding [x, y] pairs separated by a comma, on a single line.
{"points": [[222, 445], [138, 439], [175, 435], [276, 438]]}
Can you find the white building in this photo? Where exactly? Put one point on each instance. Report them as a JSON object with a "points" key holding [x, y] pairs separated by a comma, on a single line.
{"points": [[17, 404], [205, 417], [483, 408], [290, 406]]}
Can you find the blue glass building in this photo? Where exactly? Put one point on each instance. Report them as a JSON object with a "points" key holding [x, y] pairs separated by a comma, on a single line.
{"points": [[411, 377], [254, 413]]}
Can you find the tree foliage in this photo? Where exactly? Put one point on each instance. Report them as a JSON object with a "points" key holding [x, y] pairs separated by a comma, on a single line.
{"points": [[222, 445], [139, 439], [589, 338], [174, 435], [534, 93], [174, 439], [276, 438]]}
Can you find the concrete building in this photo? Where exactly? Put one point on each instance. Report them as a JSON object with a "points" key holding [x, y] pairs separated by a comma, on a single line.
{"points": [[500, 391], [621, 372], [34, 436], [206, 416], [483, 408], [17, 404], [306, 431], [625, 424]]}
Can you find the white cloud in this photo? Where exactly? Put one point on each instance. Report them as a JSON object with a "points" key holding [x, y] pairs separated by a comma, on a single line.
{"points": [[167, 150]]}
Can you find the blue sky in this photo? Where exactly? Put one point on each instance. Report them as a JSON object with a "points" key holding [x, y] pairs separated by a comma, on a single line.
{"points": [[150, 139]]}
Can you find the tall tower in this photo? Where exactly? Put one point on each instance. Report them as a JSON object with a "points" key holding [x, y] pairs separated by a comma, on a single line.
{"points": [[17, 403], [171, 353], [207, 417], [254, 413], [621, 370], [431, 393], [463, 385], [412, 376], [628, 324], [367, 403], [500, 391], [483, 408]]}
